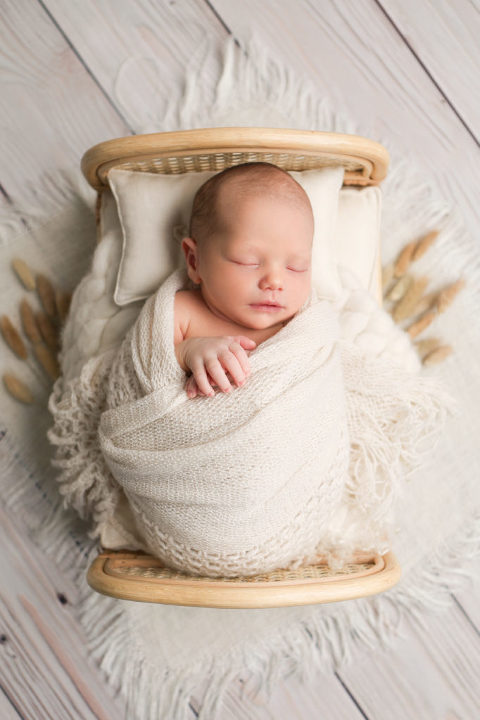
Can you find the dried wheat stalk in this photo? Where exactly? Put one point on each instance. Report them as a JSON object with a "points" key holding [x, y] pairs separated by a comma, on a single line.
{"points": [[30, 326], [63, 301], [447, 295], [400, 288], [12, 337], [426, 345], [48, 330], [417, 327], [47, 360], [423, 244], [404, 259], [17, 388], [46, 294], [24, 273], [404, 308], [438, 355], [427, 302], [387, 275]]}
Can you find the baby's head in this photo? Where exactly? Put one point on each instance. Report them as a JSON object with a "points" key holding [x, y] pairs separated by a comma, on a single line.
{"points": [[250, 244]]}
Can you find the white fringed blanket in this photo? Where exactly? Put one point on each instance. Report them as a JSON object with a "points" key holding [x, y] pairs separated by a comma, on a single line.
{"points": [[306, 458]]}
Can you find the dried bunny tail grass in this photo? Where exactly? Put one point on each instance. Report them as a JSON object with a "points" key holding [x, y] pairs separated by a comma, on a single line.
{"points": [[47, 360], [423, 244], [46, 294], [63, 301], [400, 288], [427, 302], [403, 260], [387, 275], [24, 274], [17, 389], [425, 346], [12, 337], [447, 295], [30, 325], [48, 330], [417, 327], [437, 355], [406, 305]]}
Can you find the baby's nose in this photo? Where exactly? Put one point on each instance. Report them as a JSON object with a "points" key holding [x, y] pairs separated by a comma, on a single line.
{"points": [[272, 280]]}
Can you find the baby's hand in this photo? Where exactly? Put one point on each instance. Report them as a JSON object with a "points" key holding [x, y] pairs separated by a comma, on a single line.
{"points": [[209, 357]]}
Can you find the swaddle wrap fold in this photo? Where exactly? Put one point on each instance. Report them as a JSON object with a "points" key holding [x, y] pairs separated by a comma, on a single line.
{"points": [[236, 483], [306, 459]]}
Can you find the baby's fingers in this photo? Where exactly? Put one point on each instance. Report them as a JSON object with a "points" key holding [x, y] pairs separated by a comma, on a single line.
{"points": [[191, 387], [245, 342], [200, 374], [218, 374], [234, 365], [242, 358]]}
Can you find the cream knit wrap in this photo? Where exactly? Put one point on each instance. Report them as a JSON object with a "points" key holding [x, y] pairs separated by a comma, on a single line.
{"points": [[306, 458]]}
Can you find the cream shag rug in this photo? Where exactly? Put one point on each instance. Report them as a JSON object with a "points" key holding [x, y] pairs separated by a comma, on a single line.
{"points": [[157, 656]]}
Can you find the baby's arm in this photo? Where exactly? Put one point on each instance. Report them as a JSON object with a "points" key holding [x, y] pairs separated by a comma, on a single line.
{"points": [[209, 357]]}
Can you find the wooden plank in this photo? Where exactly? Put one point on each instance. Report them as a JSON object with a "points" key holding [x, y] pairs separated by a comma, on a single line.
{"points": [[431, 672], [46, 671], [468, 599], [353, 55], [52, 109], [141, 57], [291, 699], [7, 709], [444, 36]]}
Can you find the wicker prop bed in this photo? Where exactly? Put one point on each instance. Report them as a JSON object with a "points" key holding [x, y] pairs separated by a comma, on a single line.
{"points": [[141, 577]]}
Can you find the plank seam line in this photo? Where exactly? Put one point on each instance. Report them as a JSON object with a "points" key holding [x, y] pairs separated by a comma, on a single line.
{"points": [[428, 73], [83, 63], [222, 22], [467, 616], [12, 703], [350, 695]]}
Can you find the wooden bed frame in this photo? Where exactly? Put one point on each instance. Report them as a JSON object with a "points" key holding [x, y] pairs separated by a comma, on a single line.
{"points": [[141, 577]]}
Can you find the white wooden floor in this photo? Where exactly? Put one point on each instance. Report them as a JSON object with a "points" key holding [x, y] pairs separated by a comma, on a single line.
{"points": [[408, 70]]}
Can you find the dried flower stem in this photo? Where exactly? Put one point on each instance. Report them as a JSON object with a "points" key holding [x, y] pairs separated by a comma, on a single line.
{"points": [[438, 355], [24, 273], [17, 388], [406, 305], [423, 244], [448, 295], [12, 337], [404, 259]]}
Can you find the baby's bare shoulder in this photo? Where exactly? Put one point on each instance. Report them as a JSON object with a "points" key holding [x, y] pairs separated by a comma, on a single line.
{"points": [[186, 303]]}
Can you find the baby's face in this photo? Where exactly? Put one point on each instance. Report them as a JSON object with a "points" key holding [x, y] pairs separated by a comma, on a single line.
{"points": [[256, 270]]}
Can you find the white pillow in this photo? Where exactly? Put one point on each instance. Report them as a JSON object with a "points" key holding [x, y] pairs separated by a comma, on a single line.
{"points": [[151, 205], [357, 235]]}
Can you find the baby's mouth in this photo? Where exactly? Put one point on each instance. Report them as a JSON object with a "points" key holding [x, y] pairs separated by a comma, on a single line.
{"points": [[266, 307]]}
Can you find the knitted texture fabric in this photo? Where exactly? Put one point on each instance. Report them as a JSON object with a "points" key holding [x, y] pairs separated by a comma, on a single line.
{"points": [[306, 459]]}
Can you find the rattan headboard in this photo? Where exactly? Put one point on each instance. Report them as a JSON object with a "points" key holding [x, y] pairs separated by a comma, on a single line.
{"points": [[365, 161]]}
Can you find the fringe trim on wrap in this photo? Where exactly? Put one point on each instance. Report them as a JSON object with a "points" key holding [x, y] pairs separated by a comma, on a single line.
{"points": [[395, 422], [84, 478]]}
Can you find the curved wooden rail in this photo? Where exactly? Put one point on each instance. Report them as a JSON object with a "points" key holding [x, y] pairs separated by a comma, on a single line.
{"points": [[140, 577], [365, 161]]}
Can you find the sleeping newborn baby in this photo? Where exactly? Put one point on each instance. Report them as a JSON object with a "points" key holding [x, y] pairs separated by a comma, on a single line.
{"points": [[298, 454], [249, 253]]}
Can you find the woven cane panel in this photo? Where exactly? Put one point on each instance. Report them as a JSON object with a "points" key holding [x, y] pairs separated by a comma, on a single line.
{"points": [[219, 161], [312, 572]]}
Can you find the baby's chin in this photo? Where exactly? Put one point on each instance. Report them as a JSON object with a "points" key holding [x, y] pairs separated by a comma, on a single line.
{"points": [[264, 320]]}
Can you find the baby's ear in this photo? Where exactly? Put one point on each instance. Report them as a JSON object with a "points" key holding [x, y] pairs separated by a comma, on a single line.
{"points": [[189, 247]]}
